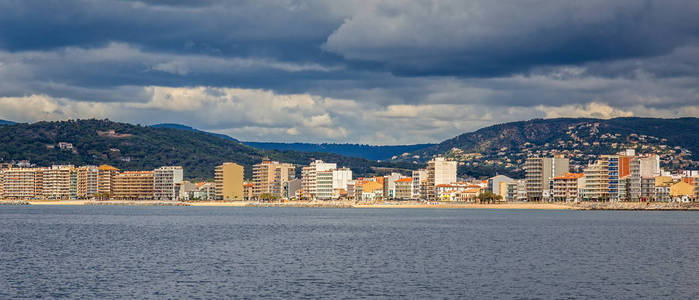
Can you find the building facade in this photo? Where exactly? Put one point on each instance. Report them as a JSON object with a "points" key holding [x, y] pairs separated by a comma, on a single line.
{"points": [[229, 182], [165, 179]]}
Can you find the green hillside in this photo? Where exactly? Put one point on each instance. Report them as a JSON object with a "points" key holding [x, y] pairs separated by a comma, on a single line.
{"points": [[135, 147], [502, 148]]}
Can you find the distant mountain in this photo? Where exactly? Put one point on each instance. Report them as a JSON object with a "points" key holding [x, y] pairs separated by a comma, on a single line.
{"points": [[187, 128], [355, 150], [135, 147], [4, 122], [502, 148]]}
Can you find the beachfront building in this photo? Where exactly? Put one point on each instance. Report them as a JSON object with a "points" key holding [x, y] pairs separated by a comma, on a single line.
{"points": [[439, 171], [270, 177], [568, 187], [324, 185], [369, 190], [87, 181], [597, 181], [105, 179], [682, 191], [404, 188], [390, 184], [341, 179], [185, 190], [419, 178], [248, 188], [21, 183], [309, 179], [498, 185], [133, 185], [539, 174], [56, 183], [229, 182], [292, 188], [165, 179]]}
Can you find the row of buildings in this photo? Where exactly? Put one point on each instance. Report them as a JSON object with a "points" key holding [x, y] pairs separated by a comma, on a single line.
{"points": [[624, 176]]}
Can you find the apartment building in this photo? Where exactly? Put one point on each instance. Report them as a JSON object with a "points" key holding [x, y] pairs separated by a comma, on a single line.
{"points": [[439, 171], [568, 187], [270, 177], [21, 183], [87, 181], [165, 180], [133, 185], [229, 182], [57, 182], [419, 176], [105, 179], [309, 179], [404, 188], [539, 174], [498, 185], [597, 181]]}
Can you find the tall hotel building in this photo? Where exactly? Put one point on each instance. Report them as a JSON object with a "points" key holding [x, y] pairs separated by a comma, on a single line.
{"points": [[539, 174], [229, 182], [87, 181], [105, 176], [439, 171], [164, 181], [270, 177]]}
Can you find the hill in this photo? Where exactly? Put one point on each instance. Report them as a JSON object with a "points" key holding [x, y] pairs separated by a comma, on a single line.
{"points": [[135, 147], [5, 122], [502, 148], [371, 152], [187, 128]]}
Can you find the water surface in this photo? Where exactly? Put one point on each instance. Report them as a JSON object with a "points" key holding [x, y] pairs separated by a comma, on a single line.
{"points": [[223, 252]]}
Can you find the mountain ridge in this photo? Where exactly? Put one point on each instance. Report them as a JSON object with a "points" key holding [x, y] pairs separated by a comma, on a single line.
{"points": [[503, 147], [136, 147]]}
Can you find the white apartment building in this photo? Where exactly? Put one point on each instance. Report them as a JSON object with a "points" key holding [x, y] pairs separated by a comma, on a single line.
{"points": [[419, 177], [439, 171], [309, 178], [341, 178], [165, 180]]}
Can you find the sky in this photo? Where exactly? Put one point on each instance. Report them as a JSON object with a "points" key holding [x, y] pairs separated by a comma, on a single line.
{"points": [[365, 71]]}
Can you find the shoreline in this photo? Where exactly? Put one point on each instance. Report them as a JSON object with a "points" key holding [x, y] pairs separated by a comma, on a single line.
{"points": [[627, 206]]}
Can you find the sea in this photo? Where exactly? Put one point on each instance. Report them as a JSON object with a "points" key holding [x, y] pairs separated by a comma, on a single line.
{"points": [[117, 252]]}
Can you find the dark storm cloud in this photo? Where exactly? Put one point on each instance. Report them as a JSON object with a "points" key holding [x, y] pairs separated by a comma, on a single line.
{"points": [[375, 71]]}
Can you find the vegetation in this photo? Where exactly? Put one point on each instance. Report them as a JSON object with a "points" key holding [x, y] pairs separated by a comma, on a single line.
{"points": [[488, 197], [502, 149], [136, 147]]}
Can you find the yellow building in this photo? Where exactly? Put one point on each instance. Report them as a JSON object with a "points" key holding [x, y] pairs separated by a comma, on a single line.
{"points": [[682, 191], [133, 185], [229, 182], [105, 176]]}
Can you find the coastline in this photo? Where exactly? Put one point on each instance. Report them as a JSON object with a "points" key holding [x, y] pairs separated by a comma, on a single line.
{"points": [[629, 206]]}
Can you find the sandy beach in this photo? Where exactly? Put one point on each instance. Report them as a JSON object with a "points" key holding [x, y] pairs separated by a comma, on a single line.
{"points": [[385, 204]]}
